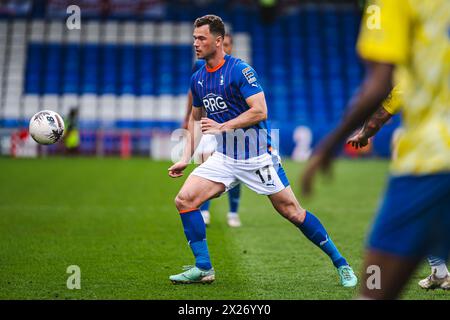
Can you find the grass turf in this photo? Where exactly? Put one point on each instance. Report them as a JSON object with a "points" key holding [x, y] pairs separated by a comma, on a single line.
{"points": [[116, 220]]}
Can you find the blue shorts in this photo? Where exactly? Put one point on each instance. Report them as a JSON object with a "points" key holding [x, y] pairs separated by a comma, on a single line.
{"points": [[414, 218]]}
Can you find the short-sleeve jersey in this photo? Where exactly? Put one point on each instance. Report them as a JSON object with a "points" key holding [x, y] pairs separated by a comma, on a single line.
{"points": [[393, 102], [223, 91], [197, 65], [415, 36]]}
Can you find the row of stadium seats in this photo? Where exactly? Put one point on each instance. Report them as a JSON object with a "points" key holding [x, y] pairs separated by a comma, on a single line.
{"points": [[310, 62], [305, 61], [107, 69]]}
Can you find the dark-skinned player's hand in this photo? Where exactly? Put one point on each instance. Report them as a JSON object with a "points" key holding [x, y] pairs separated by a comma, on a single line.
{"points": [[358, 140], [320, 161]]}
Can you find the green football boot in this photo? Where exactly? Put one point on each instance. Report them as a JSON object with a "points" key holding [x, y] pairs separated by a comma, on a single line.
{"points": [[193, 274], [347, 276]]}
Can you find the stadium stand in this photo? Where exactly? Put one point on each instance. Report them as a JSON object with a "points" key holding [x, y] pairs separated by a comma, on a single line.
{"points": [[133, 74]]}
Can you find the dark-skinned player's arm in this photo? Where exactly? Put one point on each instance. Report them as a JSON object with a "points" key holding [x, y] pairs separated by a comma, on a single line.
{"points": [[370, 128], [256, 113], [375, 88], [192, 140]]}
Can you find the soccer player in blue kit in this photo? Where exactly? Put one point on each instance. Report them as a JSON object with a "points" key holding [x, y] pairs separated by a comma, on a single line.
{"points": [[207, 146], [236, 113]]}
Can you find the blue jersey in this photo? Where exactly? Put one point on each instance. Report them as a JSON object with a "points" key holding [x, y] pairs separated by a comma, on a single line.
{"points": [[222, 92], [198, 65]]}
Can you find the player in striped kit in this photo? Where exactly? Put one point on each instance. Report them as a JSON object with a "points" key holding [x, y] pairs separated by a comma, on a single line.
{"points": [[227, 89], [207, 146]]}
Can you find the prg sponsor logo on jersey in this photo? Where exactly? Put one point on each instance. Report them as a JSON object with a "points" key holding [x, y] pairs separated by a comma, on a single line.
{"points": [[214, 103]]}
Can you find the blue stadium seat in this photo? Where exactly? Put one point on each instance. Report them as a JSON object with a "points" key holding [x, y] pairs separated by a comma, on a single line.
{"points": [[305, 61], [110, 61]]}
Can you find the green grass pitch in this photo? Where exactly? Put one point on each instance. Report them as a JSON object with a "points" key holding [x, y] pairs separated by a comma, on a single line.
{"points": [[116, 220]]}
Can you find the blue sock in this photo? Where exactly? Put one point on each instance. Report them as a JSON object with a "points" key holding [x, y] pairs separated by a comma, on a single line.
{"points": [[438, 266], [316, 233], [195, 231], [205, 205], [435, 261], [234, 196]]}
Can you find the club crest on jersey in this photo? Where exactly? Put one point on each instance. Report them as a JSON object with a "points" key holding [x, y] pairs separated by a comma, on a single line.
{"points": [[214, 103], [249, 75]]}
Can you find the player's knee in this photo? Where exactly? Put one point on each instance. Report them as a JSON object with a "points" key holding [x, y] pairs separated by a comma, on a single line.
{"points": [[183, 202]]}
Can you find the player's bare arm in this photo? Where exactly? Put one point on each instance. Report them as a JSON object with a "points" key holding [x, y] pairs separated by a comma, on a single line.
{"points": [[370, 128], [256, 113], [192, 141], [375, 88], [188, 111]]}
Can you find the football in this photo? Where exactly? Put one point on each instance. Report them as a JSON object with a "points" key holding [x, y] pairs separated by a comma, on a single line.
{"points": [[46, 127]]}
